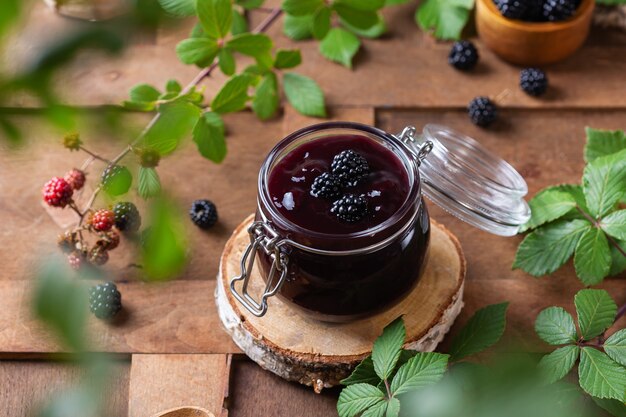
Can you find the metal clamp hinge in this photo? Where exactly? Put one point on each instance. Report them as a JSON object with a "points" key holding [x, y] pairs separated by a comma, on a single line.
{"points": [[407, 136], [262, 237]]}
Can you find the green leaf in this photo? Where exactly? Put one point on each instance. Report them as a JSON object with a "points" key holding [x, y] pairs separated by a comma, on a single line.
{"points": [[149, 183], [559, 363], [60, 301], [265, 102], [144, 93], [304, 94], [165, 248], [197, 51], [425, 368], [356, 398], [209, 136], [301, 7], [226, 62], [176, 119], [363, 373], [367, 5], [251, 44], [139, 106], [116, 181], [613, 407], [240, 24], [233, 95], [357, 18], [298, 27], [216, 17], [603, 183], [446, 18], [321, 22], [373, 32], [179, 8], [599, 376], [596, 311], [556, 326], [386, 350], [548, 205], [593, 257], [377, 410], [618, 260], [287, 58], [9, 14], [615, 347], [393, 407], [340, 46], [395, 2], [546, 249], [173, 86], [603, 142], [482, 330], [250, 4], [615, 224]]}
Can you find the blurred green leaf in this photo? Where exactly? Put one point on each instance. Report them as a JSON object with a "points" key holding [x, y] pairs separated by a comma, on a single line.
{"points": [[304, 94], [227, 62], [216, 17], [116, 180], [10, 132], [60, 301], [240, 23], [482, 330], [250, 4], [149, 184], [9, 12], [321, 22], [173, 86], [165, 247], [596, 311], [144, 93], [287, 58], [200, 51], [179, 8], [139, 106], [613, 407], [373, 32], [340, 46], [233, 95], [603, 142], [357, 18], [251, 44], [301, 7], [266, 100], [298, 27], [176, 119], [209, 136], [446, 18], [367, 5], [618, 260]]}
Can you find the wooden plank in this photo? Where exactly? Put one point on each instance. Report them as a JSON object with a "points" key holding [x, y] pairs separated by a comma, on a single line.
{"points": [[406, 68], [292, 120], [27, 385], [180, 317], [161, 382]]}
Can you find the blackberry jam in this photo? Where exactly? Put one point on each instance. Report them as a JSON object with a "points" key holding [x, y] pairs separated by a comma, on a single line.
{"points": [[341, 230]]}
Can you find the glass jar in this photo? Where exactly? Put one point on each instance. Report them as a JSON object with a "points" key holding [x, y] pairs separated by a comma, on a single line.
{"points": [[342, 277]]}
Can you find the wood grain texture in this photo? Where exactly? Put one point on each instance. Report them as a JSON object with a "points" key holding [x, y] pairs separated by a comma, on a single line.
{"points": [[27, 385], [406, 68], [162, 382], [320, 354]]}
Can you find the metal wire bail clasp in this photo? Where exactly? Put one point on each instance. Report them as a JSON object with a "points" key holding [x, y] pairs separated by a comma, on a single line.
{"points": [[407, 136], [262, 237]]}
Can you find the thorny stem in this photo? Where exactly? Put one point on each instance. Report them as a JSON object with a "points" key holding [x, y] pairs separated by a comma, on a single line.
{"points": [[597, 224], [206, 72]]}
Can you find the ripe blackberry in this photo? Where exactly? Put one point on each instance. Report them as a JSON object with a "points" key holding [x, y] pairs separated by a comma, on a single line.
{"points": [[203, 213], [105, 301], [98, 255], [326, 186], [463, 55], [533, 81], [57, 192], [534, 11], [67, 241], [116, 180], [350, 208], [109, 241], [512, 9], [349, 167], [557, 10], [75, 178], [482, 111], [102, 220], [127, 218]]}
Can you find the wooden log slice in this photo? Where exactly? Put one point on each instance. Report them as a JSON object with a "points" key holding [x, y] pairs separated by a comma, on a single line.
{"points": [[320, 354]]}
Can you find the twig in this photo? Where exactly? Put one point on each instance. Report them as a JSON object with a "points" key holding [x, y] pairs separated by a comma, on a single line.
{"points": [[95, 156], [620, 312], [206, 72]]}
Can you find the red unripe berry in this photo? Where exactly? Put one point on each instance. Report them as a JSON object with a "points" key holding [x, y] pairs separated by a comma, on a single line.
{"points": [[102, 220], [75, 178], [57, 192], [75, 260]]}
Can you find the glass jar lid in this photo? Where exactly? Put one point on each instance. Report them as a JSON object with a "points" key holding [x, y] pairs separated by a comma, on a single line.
{"points": [[468, 181]]}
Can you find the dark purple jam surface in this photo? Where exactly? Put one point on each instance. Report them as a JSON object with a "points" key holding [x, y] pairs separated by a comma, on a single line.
{"points": [[385, 188]]}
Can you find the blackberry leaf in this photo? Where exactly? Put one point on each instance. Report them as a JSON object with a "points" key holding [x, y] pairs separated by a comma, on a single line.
{"points": [[600, 376], [556, 326], [549, 205], [615, 347], [387, 347], [554, 366], [593, 257], [596, 311], [603, 142], [483, 330]]}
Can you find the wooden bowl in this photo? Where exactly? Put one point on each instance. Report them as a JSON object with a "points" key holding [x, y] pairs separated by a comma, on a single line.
{"points": [[532, 43]]}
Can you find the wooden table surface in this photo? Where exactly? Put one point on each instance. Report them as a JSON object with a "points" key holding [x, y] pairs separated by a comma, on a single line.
{"points": [[172, 350]]}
